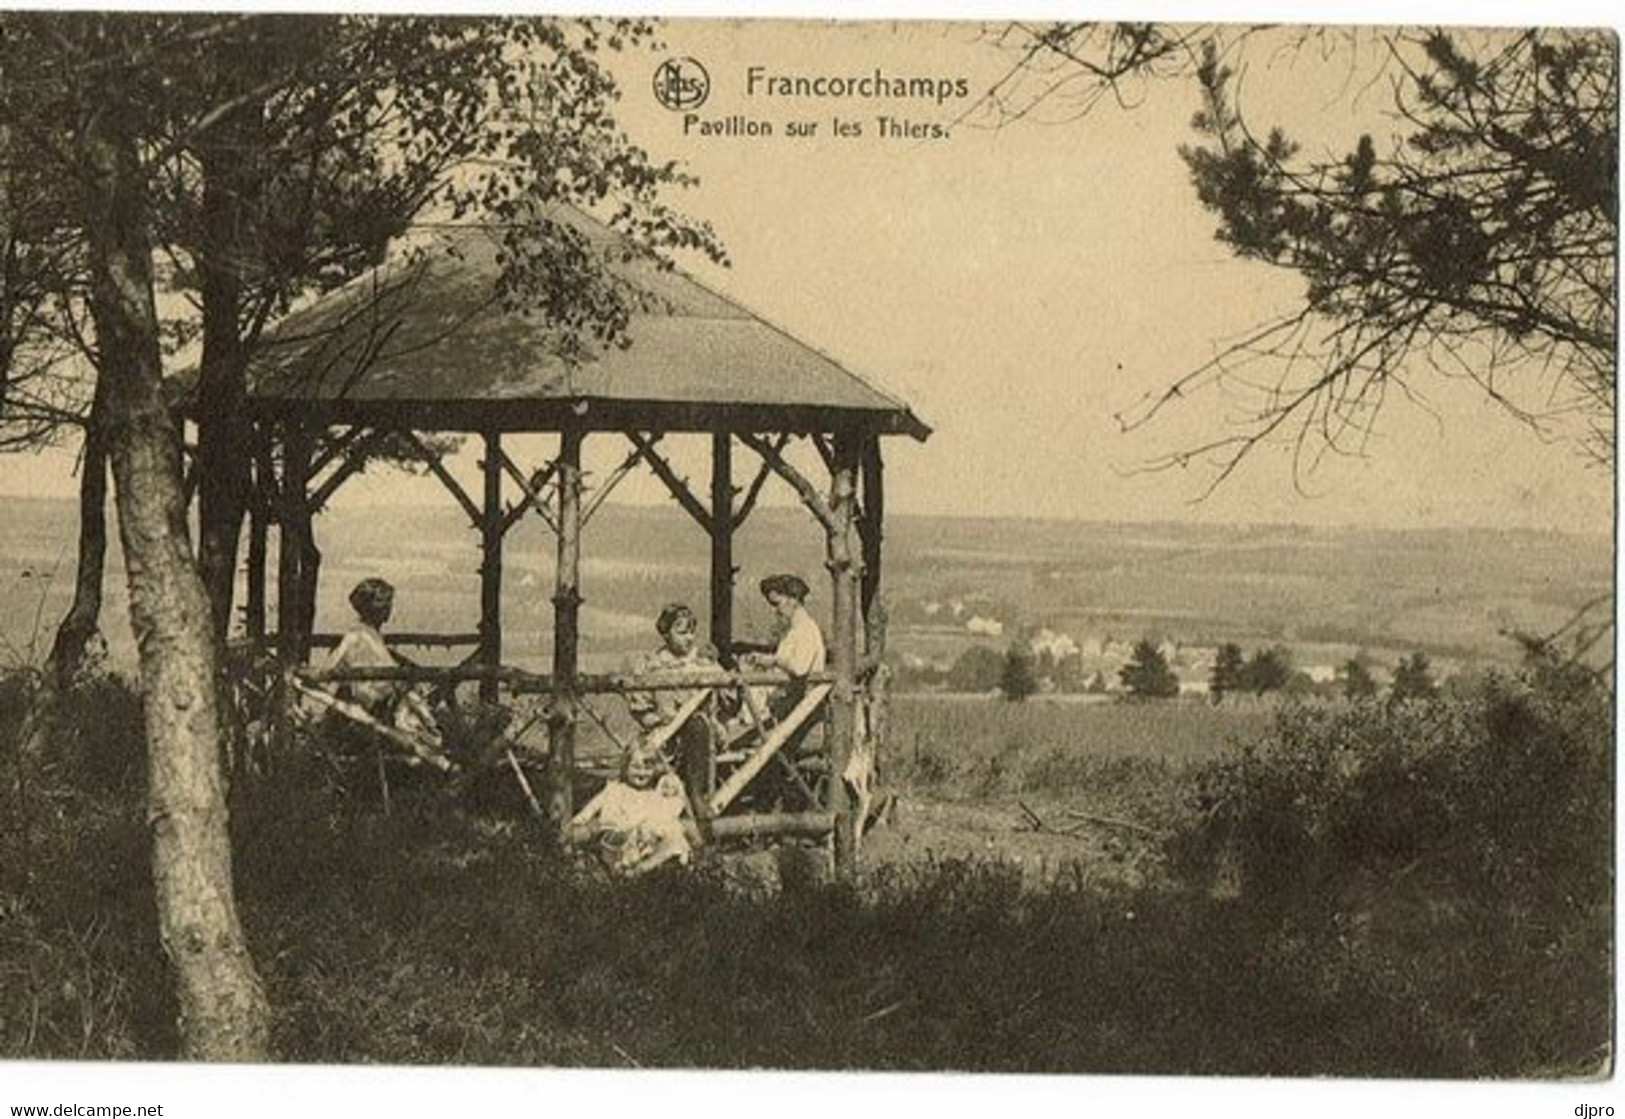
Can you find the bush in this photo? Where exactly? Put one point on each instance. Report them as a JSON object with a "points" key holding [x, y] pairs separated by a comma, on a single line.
{"points": [[1453, 856], [1508, 790], [80, 965], [1413, 678], [1267, 670], [977, 669], [1018, 675]]}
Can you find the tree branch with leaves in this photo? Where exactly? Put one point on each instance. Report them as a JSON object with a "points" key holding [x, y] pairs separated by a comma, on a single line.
{"points": [[1480, 245], [1476, 242]]}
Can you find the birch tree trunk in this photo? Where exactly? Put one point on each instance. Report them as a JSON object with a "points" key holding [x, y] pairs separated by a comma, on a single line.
{"points": [[223, 1013]]}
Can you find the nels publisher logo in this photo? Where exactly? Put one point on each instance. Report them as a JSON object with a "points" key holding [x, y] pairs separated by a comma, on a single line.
{"points": [[681, 84]]}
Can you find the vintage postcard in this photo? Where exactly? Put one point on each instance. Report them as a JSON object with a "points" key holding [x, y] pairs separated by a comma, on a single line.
{"points": [[975, 546]]}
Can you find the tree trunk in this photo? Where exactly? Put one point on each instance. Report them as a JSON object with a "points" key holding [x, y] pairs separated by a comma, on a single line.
{"points": [[223, 1013], [224, 450], [82, 622], [298, 560], [7, 248]]}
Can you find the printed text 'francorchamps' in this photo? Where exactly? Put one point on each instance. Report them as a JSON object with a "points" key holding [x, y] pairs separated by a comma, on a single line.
{"points": [[876, 84]]}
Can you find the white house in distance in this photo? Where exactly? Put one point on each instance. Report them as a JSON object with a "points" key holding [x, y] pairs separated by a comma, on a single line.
{"points": [[1059, 646]]}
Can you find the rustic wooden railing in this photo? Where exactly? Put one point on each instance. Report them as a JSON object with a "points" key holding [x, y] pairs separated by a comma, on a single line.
{"points": [[754, 757]]}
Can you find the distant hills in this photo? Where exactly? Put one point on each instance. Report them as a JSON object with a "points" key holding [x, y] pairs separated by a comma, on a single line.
{"points": [[1449, 591]]}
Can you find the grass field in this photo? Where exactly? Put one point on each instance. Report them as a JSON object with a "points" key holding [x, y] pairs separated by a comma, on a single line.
{"points": [[983, 747]]}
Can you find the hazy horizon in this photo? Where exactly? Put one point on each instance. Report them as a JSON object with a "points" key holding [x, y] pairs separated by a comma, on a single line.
{"points": [[1324, 590], [448, 506]]}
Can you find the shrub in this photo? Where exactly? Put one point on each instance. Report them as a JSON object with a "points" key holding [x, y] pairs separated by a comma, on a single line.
{"points": [[977, 669], [1267, 670], [439, 935], [1018, 675], [104, 738], [1413, 678], [1454, 855], [79, 959], [1505, 790], [1355, 679]]}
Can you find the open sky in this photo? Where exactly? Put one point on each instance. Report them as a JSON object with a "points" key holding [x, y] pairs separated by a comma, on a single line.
{"points": [[1021, 286]]}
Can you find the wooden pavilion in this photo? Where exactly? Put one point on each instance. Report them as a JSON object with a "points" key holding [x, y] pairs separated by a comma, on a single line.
{"points": [[424, 345]]}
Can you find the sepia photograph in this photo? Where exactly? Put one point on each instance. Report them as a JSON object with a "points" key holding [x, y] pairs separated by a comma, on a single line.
{"points": [[631, 543]]}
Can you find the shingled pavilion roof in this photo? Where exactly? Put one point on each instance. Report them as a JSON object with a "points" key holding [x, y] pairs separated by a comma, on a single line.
{"points": [[424, 341]]}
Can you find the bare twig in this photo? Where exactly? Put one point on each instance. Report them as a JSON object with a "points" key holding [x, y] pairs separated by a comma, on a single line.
{"points": [[1114, 822]]}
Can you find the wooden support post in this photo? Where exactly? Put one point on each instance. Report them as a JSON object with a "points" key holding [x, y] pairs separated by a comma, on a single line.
{"points": [[871, 529], [722, 545], [844, 569], [878, 690], [491, 523], [287, 549], [310, 577], [566, 632], [258, 545], [260, 511], [295, 550]]}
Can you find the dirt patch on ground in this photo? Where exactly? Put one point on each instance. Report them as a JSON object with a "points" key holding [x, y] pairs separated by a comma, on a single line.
{"points": [[920, 833], [1057, 845]]}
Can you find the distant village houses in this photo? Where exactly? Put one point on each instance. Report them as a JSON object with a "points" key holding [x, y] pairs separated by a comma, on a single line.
{"points": [[976, 634], [984, 627]]}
